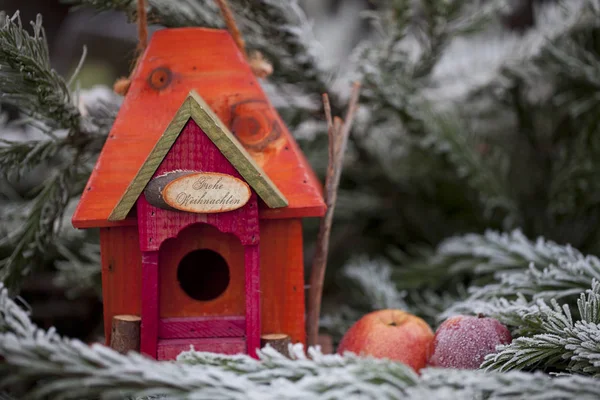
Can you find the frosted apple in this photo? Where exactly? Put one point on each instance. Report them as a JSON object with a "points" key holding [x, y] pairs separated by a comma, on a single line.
{"points": [[393, 334], [462, 341]]}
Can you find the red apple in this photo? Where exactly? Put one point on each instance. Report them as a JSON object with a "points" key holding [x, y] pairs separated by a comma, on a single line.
{"points": [[463, 341], [393, 334]]}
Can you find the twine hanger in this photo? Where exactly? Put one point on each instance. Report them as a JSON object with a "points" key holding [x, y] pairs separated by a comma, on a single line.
{"points": [[259, 66]]}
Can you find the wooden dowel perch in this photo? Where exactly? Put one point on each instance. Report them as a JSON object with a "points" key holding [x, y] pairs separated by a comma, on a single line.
{"points": [[338, 131], [278, 341], [125, 335]]}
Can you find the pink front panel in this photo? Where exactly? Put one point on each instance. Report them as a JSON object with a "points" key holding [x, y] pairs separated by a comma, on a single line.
{"points": [[194, 151], [166, 338], [181, 328], [169, 349], [149, 328], [252, 263]]}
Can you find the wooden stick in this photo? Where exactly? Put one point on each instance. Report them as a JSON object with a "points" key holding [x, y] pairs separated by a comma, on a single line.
{"points": [[338, 132], [125, 334], [327, 108], [278, 341], [122, 85], [142, 25], [232, 26]]}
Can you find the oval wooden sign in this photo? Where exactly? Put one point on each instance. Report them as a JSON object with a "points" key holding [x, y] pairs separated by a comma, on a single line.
{"points": [[206, 192]]}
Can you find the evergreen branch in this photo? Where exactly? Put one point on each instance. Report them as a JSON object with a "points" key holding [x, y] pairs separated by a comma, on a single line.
{"points": [[62, 368], [56, 367], [80, 272], [307, 372], [395, 72], [483, 255], [69, 369], [337, 321], [448, 136], [527, 270], [282, 32], [27, 79], [461, 384], [563, 279], [560, 343], [374, 279], [566, 277], [16, 157], [571, 63], [74, 138], [19, 157], [36, 234], [172, 14], [279, 30], [372, 288]]}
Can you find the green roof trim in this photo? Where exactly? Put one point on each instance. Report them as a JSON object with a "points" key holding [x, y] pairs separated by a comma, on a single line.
{"points": [[194, 107]]}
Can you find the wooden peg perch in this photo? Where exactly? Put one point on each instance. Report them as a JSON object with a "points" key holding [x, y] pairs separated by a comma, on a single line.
{"points": [[278, 341], [125, 334], [338, 131]]}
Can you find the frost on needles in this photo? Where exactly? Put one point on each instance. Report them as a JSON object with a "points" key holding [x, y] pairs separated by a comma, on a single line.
{"points": [[53, 366], [446, 107], [547, 294]]}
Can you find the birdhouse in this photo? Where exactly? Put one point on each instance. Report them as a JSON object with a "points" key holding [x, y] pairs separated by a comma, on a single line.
{"points": [[199, 194]]}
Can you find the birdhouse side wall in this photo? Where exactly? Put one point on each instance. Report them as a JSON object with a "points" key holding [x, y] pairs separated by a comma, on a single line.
{"points": [[282, 278], [121, 273]]}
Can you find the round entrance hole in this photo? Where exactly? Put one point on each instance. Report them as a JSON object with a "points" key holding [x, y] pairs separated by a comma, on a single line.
{"points": [[203, 274]]}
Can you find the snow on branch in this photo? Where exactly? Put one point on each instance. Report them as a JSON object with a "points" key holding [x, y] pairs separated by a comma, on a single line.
{"points": [[560, 343], [74, 124], [279, 30], [57, 367], [374, 280], [27, 79], [484, 255], [70, 369], [545, 271]]}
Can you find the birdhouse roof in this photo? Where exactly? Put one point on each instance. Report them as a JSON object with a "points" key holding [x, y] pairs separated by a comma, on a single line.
{"points": [[195, 108], [208, 61]]}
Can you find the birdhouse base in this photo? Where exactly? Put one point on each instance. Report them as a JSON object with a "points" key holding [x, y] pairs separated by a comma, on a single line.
{"points": [[169, 349]]}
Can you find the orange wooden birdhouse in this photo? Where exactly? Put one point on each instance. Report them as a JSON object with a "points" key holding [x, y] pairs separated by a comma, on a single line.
{"points": [[199, 193]]}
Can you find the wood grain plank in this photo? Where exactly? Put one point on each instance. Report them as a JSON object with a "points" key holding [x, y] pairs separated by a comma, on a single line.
{"points": [[150, 301], [282, 278], [169, 349], [180, 328], [224, 80], [195, 107], [148, 168], [235, 152], [194, 151], [173, 300], [121, 273], [252, 263]]}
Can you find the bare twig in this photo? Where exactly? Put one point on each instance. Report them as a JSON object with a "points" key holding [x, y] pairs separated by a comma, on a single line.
{"points": [[122, 85], [338, 132], [142, 25], [327, 107], [232, 26], [258, 64]]}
